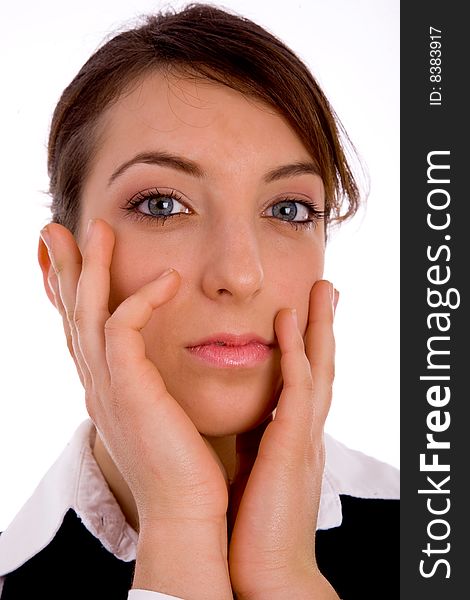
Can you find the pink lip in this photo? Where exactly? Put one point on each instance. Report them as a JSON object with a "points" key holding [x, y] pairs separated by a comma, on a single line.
{"points": [[229, 350]]}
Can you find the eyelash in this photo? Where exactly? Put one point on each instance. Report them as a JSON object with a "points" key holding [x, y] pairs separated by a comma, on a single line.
{"points": [[132, 206], [132, 209]]}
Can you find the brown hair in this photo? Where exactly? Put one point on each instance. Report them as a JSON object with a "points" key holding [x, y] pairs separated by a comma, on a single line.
{"points": [[204, 41]]}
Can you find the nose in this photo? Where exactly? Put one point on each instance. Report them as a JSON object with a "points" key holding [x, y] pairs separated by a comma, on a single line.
{"points": [[233, 270]]}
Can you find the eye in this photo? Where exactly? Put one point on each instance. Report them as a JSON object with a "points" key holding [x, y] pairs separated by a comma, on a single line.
{"points": [[295, 212], [161, 205], [157, 205], [288, 210]]}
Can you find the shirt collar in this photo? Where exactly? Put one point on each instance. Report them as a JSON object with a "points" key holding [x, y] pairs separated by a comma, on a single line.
{"points": [[75, 481]]}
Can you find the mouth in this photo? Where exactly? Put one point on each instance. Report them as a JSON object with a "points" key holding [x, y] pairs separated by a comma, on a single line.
{"points": [[231, 350]]}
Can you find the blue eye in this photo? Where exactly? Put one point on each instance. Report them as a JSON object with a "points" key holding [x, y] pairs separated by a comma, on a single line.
{"points": [[288, 210], [157, 205], [161, 205], [296, 213]]}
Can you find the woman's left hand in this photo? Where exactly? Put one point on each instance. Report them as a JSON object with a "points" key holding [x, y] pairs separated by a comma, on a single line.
{"points": [[276, 491]]}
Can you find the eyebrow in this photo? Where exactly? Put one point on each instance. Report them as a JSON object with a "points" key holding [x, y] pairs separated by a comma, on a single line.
{"points": [[297, 168], [163, 159], [189, 167]]}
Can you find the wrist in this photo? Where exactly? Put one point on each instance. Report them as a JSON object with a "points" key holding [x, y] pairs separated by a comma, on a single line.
{"points": [[187, 559], [309, 585], [312, 585]]}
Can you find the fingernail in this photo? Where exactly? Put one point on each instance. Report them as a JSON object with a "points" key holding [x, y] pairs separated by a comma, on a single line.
{"points": [[335, 301], [52, 281], [332, 293], [89, 228], [165, 273], [46, 238], [293, 313]]}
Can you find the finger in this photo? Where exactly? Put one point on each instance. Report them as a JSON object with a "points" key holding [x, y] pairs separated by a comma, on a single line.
{"points": [[92, 298], [66, 261], [319, 338], [320, 342], [247, 445], [295, 401], [125, 347], [54, 286]]}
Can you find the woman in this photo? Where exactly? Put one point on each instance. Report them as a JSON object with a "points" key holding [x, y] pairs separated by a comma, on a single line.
{"points": [[195, 165]]}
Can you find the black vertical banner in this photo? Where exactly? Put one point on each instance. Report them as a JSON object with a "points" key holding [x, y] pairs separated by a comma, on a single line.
{"points": [[435, 313]]}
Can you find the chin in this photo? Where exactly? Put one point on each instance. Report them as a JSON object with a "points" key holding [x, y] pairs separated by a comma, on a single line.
{"points": [[220, 410]]}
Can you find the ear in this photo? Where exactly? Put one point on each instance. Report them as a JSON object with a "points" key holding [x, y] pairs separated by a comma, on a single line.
{"points": [[47, 269]]}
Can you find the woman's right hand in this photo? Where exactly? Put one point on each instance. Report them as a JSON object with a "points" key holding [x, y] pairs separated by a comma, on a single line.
{"points": [[176, 480]]}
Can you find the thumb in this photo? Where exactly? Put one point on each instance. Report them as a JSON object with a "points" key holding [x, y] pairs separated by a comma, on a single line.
{"points": [[247, 445]]}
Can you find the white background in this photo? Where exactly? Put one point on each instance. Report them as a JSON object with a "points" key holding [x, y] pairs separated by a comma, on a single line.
{"points": [[352, 47]]}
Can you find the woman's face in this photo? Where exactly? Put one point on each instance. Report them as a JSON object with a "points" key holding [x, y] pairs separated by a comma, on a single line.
{"points": [[241, 236]]}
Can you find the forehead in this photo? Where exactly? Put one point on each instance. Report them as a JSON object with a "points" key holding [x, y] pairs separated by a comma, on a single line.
{"points": [[205, 121]]}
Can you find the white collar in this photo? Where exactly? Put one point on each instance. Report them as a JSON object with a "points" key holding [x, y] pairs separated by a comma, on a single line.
{"points": [[75, 481]]}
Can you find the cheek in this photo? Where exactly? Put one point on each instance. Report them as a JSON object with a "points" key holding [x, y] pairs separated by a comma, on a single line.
{"points": [[294, 282], [126, 278], [136, 264], [138, 261]]}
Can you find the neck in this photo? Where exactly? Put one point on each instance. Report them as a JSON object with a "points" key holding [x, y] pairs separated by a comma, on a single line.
{"points": [[224, 448]]}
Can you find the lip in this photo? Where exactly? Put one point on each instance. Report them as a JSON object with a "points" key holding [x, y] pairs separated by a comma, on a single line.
{"points": [[227, 350]]}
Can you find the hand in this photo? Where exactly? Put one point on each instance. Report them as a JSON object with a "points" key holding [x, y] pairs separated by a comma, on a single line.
{"points": [[272, 547], [178, 486]]}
